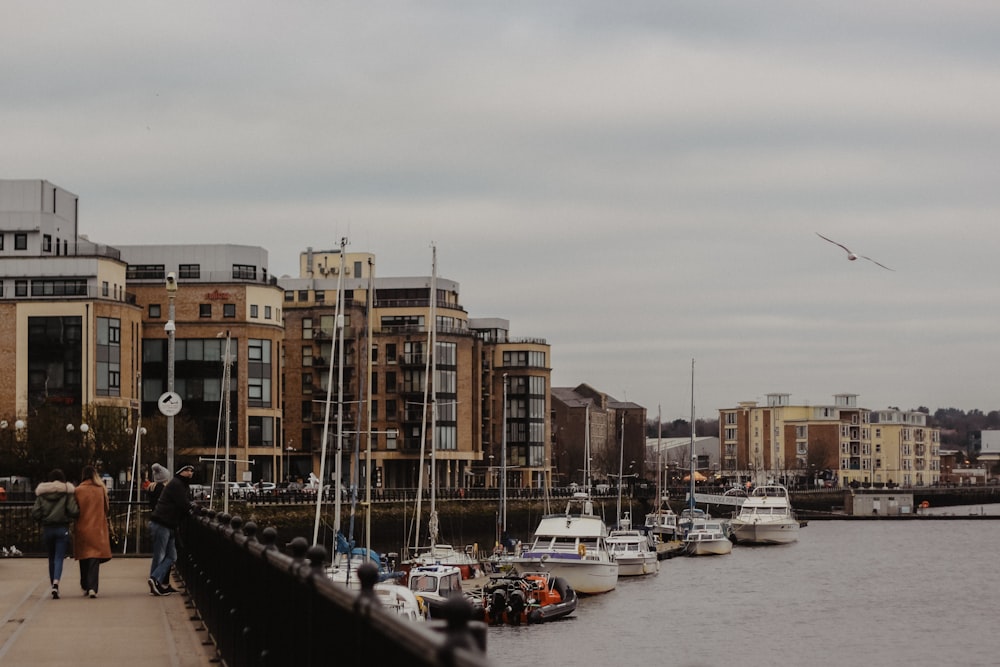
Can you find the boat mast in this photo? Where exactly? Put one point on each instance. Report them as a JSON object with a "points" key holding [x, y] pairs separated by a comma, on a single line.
{"points": [[227, 380], [694, 458], [338, 325], [368, 407], [503, 462], [621, 469], [659, 459], [429, 369]]}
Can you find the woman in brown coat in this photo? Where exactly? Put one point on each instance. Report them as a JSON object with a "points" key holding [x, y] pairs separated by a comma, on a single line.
{"points": [[91, 542]]}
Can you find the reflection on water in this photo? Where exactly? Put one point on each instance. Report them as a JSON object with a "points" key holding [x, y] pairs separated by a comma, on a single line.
{"points": [[871, 592]]}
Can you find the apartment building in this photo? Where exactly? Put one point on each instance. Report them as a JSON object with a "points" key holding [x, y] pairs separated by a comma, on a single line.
{"points": [[224, 301], [88, 326], [614, 432], [69, 331], [839, 443], [373, 394]]}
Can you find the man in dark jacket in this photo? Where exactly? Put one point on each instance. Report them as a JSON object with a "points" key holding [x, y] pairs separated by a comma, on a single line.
{"points": [[171, 509]]}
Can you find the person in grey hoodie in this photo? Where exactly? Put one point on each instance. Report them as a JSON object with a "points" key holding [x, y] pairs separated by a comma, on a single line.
{"points": [[55, 507]]}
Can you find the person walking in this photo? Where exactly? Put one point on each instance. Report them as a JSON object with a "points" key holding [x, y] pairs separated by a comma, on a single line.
{"points": [[91, 541], [55, 507], [174, 504]]}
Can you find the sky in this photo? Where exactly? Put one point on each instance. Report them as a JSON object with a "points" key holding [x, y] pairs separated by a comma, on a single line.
{"points": [[641, 184]]}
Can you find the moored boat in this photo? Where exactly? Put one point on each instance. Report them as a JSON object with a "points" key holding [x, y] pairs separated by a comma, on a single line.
{"points": [[634, 550], [707, 537], [766, 517], [572, 546], [531, 598]]}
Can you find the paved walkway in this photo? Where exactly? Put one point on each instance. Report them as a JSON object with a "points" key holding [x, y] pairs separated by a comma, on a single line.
{"points": [[125, 625]]}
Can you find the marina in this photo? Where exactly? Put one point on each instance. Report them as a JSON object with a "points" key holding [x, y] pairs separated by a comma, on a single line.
{"points": [[831, 602]]}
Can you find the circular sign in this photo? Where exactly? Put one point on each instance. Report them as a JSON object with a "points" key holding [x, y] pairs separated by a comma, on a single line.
{"points": [[170, 403]]}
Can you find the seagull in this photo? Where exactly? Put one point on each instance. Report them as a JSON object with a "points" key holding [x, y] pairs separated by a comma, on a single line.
{"points": [[851, 255]]}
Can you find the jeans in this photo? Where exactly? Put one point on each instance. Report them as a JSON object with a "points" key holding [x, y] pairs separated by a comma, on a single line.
{"points": [[56, 539], [164, 551]]}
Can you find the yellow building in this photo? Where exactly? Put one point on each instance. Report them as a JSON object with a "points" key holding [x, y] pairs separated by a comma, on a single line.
{"points": [[839, 443]]}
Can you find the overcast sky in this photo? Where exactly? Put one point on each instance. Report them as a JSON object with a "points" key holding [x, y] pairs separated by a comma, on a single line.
{"points": [[639, 183]]}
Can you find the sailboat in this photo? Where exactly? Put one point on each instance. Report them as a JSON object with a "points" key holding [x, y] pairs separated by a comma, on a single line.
{"points": [[435, 552], [661, 523], [632, 548], [703, 535]]}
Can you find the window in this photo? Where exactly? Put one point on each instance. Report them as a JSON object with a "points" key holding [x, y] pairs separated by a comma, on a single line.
{"points": [[307, 410], [307, 328], [320, 296], [108, 349], [267, 312], [105, 288], [244, 272], [390, 383], [47, 243], [154, 310], [390, 353], [307, 356], [253, 310], [145, 272], [20, 241], [1, 241], [289, 294], [189, 271], [303, 295], [205, 310], [260, 431], [229, 310]]}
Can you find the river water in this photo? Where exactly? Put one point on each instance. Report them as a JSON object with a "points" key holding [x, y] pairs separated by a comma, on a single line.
{"points": [[884, 593]]}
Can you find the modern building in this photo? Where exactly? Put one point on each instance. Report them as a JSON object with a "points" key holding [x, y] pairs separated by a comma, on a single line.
{"points": [[388, 409], [840, 443], [673, 455], [70, 332], [613, 431], [224, 300]]}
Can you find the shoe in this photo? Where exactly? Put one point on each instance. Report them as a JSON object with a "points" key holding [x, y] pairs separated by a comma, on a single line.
{"points": [[154, 587], [164, 590], [168, 589], [92, 593], [55, 592]]}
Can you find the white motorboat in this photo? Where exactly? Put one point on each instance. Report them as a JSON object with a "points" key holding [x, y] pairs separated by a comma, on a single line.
{"points": [[766, 517], [572, 546], [400, 600], [707, 537], [434, 585], [634, 551]]}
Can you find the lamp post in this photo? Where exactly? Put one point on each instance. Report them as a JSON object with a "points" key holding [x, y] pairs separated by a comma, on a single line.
{"points": [[170, 327]]}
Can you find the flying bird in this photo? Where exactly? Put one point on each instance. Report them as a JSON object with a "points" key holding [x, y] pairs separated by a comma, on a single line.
{"points": [[851, 255]]}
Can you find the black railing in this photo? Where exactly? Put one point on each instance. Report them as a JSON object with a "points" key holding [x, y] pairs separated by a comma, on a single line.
{"points": [[263, 607]]}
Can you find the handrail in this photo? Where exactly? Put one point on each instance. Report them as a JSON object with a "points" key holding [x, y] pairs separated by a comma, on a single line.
{"points": [[264, 607]]}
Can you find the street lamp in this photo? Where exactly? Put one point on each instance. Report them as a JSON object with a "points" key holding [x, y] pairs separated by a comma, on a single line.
{"points": [[170, 328]]}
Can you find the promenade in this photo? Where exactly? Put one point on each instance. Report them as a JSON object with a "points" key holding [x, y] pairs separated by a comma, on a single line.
{"points": [[124, 625]]}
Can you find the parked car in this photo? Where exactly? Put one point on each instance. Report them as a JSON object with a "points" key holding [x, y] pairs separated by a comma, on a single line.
{"points": [[234, 489], [199, 492]]}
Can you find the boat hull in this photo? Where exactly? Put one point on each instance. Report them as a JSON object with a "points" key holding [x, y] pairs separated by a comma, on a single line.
{"points": [[783, 532], [527, 600], [586, 577], [709, 548]]}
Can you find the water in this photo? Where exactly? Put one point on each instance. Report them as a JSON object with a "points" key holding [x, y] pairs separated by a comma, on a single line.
{"points": [[848, 592]]}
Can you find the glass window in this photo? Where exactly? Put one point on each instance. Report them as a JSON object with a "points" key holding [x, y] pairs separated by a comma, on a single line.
{"points": [[229, 310], [253, 310], [205, 310], [20, 241], [154, 310]]}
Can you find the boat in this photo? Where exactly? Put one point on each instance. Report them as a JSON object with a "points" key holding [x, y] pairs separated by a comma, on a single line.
{"points": [[434, 585], [572, 546], [633, 549], [531, 598], [435, 552], [707, 537], [662, 522], [766, 517], [400, 600]]}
